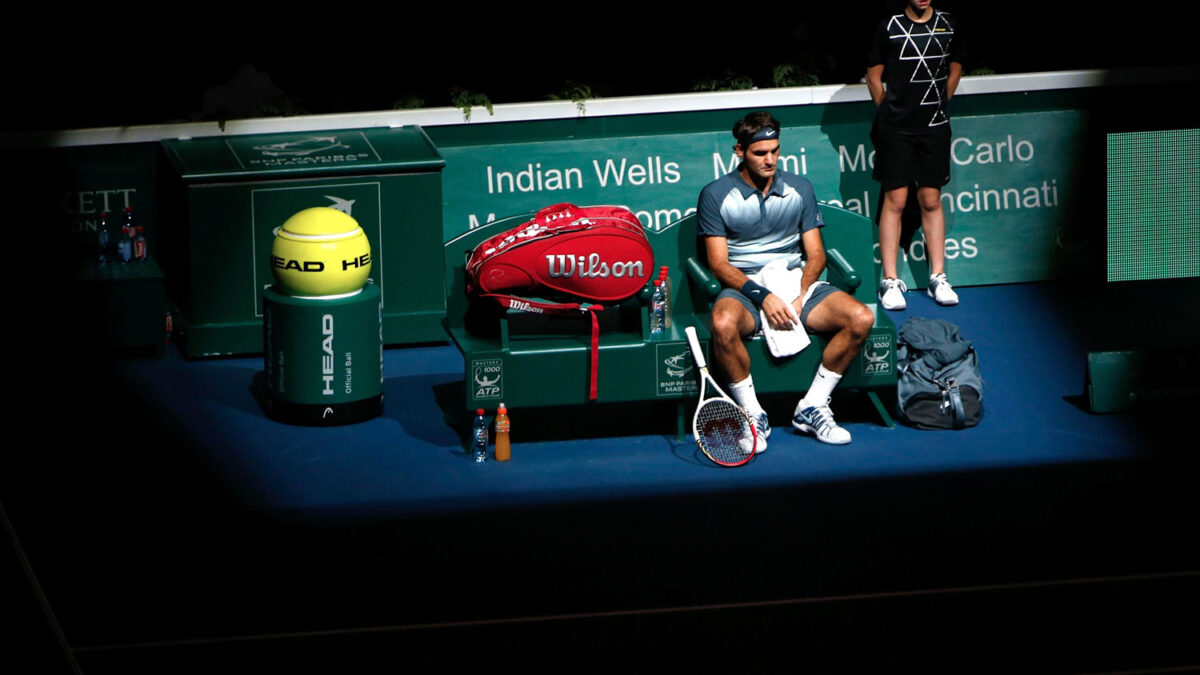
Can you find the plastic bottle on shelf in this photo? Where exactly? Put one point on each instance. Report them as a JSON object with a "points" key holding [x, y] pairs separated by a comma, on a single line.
{"points": [[503, 445], [125, 244], [139, 246], [666, 279], [136, 237], [103, 240], [480, 441], [657, 310]]}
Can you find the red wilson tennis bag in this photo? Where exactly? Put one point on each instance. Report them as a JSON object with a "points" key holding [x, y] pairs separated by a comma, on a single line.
{"points": [[590, 254]]}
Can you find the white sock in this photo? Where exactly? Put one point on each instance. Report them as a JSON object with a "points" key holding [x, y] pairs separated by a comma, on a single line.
{"points": [[743, 393], [822, 386]]}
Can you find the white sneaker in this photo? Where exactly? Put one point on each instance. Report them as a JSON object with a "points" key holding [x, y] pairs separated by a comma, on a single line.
{"points": [[763, 427], [818, 420], [891, 293], [941, 291], [746, 444]]}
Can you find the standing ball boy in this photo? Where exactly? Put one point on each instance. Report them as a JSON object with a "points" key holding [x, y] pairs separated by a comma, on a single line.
{"points": [[914, 64]]}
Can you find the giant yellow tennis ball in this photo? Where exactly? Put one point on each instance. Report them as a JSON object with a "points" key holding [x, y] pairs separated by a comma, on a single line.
{"points": [[321, 251]]}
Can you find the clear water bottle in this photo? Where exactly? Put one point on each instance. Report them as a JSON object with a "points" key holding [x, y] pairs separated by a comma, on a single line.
{"points": [[480, 441], [125, 245], [666, 282], [103, 240], [658, 309]]}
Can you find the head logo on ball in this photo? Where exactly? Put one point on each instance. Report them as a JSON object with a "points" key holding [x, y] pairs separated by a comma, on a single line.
{"points": [[321, 252]]}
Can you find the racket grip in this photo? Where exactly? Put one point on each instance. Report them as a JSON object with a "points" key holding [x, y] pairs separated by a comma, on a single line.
{"points": [[694, 343]]}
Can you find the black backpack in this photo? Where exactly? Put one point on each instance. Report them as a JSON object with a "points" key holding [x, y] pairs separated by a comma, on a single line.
{"points": [[940, 386]]}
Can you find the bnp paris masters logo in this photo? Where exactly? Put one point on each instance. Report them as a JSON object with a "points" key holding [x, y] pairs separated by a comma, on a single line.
{"points": [[487, 379], [300, 150], [878, 355], [676, 372], [301, 147]]}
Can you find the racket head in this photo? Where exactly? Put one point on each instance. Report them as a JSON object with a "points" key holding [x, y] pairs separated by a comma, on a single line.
{"points": [[724, 432]]}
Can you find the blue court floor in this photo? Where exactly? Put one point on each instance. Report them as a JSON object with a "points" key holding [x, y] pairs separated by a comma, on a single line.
{"points": [[161, 523]]}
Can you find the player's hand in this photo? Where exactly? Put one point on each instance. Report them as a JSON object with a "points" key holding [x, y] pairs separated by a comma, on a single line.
{"points": [[779, 314], [798, 304]]}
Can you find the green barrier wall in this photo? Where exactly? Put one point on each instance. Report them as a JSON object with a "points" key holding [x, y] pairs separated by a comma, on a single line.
{"points": [[1025, 202], [1011, 175]]}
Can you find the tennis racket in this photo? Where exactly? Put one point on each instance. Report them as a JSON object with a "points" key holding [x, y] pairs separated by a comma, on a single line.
{"points": [[724, 432]]}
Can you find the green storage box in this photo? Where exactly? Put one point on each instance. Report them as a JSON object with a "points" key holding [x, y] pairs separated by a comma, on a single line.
{"points": [[230, 194]]}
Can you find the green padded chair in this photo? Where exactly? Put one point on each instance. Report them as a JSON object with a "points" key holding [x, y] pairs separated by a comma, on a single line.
{"points": [[849, 247]]}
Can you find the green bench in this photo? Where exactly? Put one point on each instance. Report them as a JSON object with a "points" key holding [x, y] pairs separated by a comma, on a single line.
{"points": [[530, 360]]}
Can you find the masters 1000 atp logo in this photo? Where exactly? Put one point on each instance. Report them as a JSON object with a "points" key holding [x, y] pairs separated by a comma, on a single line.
{"points": [[487, 378], [877, 355]]}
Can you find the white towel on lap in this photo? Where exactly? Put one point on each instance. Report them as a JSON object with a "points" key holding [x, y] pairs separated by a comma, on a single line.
{"points": [[786, 283]]}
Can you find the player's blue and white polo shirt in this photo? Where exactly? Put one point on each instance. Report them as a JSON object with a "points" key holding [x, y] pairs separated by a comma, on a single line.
{"points": [[759, 229]]}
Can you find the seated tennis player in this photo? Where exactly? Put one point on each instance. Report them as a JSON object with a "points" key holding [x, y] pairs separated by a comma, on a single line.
{"points": [[748, 218]]}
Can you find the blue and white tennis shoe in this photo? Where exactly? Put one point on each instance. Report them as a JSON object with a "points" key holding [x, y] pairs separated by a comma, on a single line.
{"points": [[818, 420]]}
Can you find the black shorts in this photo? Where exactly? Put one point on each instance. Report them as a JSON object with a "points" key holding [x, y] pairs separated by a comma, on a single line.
{"points": [[903, 158]]}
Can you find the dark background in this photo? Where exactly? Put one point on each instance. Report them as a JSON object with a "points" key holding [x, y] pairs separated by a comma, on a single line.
{"points": [[108, 69]]}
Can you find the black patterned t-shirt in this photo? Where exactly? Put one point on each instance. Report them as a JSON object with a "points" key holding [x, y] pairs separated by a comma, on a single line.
{"points": [[916, 61]]}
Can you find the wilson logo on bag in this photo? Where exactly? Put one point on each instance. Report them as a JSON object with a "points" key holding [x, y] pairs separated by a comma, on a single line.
{"points": [[590, 254]]}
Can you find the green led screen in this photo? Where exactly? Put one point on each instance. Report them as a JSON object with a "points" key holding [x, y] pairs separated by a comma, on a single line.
{"points": [[1154, 205]]}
